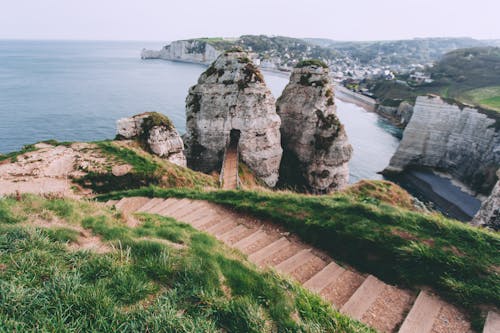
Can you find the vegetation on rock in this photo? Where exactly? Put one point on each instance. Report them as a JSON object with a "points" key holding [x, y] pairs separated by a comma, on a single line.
{"points": [[311, 62]]}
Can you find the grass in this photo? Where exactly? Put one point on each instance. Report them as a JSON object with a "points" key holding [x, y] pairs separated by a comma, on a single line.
{"points": [[145, 284], [397, 245], [146, 170], [311, 62], [488, 97]]}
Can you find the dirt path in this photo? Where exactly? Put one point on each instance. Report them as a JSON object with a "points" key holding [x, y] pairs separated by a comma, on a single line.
{"points": [[363, 297]]}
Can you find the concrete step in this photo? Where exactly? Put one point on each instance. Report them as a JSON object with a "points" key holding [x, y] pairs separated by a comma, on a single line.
{"points": [[205, 219], [422, 315], [178, 208], [193, 207], [170, 202], [245, 243], [166, 203], [492, 324], [197, 209], [153, 209], [324, 277], [228, 236], [259, 256], [150, 204], [363, 297], [223, 226], [296, 261]]}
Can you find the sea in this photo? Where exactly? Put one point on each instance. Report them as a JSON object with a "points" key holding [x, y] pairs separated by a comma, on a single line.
{"points": [[76, 90]]}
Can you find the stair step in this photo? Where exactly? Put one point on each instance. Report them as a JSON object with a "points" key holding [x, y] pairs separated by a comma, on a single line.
{"points": [[150, 204], [244, 243], [492, 324], [194, 206], [166, 203], [111, 202], [422, 315], [324, 277], [170, 202], [259, 256], [363, 297], [221, 227], [205, 219], [197, 209], [294, 262], [178, 208], [120, 203], [233, 233]]}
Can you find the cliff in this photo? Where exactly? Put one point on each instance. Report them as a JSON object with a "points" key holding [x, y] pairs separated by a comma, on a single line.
{"points": [[184, 50], [231, 98], [460, 140], [489, 214], [314, 140]]}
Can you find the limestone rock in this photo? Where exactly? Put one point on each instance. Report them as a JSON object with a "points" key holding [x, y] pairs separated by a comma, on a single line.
{"points": [[232, 97], [158, 134], [196, 51], [462, 141], [489, 214], [311, 132], [404, 113]]}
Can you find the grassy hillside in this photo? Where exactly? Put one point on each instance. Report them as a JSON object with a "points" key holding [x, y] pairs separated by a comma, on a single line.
{"points": [[161, 276], [401, 246]]}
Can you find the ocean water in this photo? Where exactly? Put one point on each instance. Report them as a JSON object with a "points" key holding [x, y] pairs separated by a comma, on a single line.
{"points": [[75, 91]]}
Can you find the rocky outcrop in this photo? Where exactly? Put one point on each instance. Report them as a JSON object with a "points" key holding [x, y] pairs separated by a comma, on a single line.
{"points": [[459, 140], [231, 97], [158, 134], [489, 214], [314, 140], [195, 51], [399, 116]]}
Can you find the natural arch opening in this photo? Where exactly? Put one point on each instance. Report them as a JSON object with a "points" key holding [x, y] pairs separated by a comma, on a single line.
{"points": [[234, 138]]}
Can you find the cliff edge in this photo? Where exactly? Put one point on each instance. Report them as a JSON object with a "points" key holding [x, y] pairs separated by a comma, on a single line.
{"points": [[460, 140]]}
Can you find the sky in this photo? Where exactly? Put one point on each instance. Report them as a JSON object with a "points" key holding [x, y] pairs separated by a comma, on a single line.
{"points": [[167, 20]]}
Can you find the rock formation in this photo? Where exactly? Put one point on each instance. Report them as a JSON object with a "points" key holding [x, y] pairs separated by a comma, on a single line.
{"points": [[231, 97], [400, 116], [314, 140], [459, 140], [184, 50], [157, 132], [489, 214]]}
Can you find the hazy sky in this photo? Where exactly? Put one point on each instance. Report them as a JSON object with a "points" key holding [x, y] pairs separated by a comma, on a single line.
{"points": [[165, 20]]}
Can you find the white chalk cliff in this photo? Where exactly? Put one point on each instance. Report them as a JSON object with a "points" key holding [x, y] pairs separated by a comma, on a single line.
{"points": [[184, 50], [462, 141]]}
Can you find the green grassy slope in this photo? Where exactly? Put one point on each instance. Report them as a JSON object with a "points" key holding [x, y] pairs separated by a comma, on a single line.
{"points": [[401, 246], [162, 276]]}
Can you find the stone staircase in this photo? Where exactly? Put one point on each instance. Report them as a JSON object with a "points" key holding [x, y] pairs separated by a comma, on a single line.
{"points": [[229, 171], [364, 297]]}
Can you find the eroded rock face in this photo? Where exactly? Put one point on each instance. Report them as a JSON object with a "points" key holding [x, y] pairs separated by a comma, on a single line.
{"points": [[184, 50], [489, 214], [311, 132], [232, 96], [158, 134], [462, 141]]}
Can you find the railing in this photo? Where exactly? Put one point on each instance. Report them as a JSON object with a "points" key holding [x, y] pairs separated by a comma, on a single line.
{"points": [[221, 176]]}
